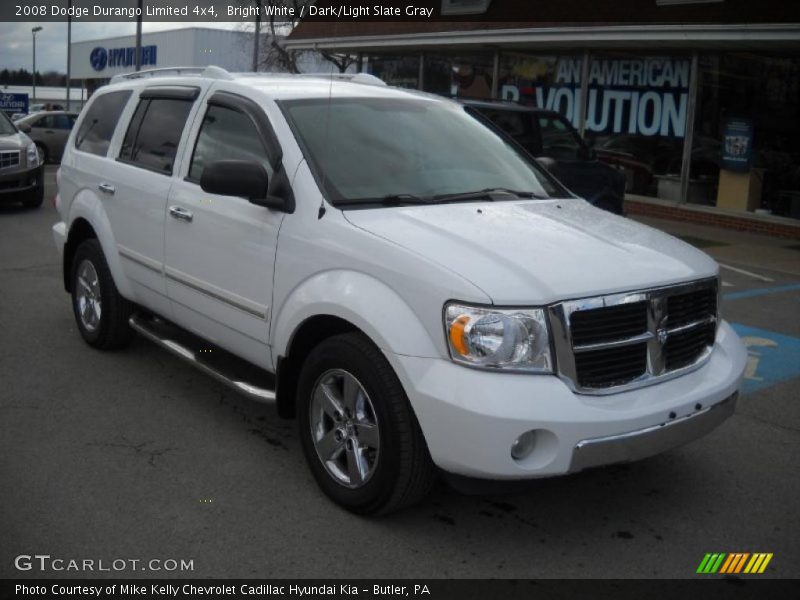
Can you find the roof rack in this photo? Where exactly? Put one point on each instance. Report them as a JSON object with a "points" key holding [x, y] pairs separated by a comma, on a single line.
{"points": [[210, 72], [364, 78]]}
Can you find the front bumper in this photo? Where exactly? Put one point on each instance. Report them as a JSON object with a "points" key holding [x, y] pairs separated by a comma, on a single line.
{"points": [[471, 418], [18, 185]]}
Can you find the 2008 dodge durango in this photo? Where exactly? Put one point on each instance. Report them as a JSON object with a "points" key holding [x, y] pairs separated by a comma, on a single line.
{"points": [[397, 275]]}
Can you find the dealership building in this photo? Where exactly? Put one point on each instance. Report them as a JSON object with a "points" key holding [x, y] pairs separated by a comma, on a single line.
{"points": [[97, 61], [697, 102]]}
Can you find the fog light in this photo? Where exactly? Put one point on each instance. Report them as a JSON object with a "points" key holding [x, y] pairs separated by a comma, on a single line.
{"points": [[523, 445]]}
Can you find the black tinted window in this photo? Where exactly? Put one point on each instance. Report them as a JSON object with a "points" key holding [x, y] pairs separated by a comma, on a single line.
{"points": [[98, 125], [518, 125], [226, 134], [154, 132], [54, 122], [559, 139]]}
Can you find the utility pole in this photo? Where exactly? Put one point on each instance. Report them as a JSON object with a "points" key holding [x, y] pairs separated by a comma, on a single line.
{"points": [[257, 35], [69, 52], [34, 31], [138, 59]]}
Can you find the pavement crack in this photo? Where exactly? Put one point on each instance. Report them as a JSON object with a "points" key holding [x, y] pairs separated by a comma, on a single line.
{"points": [[770, 423], [138, 448]]}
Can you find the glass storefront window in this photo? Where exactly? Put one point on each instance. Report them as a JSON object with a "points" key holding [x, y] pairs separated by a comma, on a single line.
{"points": [[397, 70], [549, 82], [746, 131], [636, 112], [459, 75]]}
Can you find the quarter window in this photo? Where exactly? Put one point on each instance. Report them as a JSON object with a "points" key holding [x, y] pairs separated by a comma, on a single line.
{"points": [[154, 133], [227, 134], [98, 125]]}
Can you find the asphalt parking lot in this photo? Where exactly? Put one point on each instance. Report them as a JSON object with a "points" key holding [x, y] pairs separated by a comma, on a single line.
{"points": [[134, 454]]}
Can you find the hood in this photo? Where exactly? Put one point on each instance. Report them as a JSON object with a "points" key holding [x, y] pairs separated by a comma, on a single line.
{"points": [[14, 141], [539, 251]]}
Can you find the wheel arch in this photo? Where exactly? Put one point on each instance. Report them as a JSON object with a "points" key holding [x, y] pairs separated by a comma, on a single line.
{"points": [[88, 219], [334, 302]]}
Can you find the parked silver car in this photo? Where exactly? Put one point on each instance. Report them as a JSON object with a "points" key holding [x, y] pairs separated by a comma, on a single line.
{"points": [[49, 130], [21, 170]]}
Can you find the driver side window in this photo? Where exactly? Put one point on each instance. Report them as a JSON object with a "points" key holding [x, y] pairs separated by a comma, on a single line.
{"points": [[227, 134]]}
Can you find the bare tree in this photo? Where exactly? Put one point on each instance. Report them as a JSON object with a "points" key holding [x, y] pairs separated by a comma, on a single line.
{"points": [[341, 61], [276, 27]]}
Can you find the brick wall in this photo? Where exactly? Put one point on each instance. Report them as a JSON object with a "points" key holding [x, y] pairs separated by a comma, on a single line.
{"points": [[703, 217]]}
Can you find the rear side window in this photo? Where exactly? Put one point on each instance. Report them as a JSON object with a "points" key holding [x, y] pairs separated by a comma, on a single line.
{"points": [[154, 132], [59, 121], [227, 134], [99, 123]]}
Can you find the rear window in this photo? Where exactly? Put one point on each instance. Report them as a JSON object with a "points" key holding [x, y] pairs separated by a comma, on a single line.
{"points": [[98, 125], [154, 132]]}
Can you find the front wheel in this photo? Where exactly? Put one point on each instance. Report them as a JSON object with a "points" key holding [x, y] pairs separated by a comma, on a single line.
{"points": [[360, 436], [100, 311]]}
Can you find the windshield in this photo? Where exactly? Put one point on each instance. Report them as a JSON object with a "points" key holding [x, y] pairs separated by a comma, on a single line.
{"points": [[6, 126], [363, 150]]}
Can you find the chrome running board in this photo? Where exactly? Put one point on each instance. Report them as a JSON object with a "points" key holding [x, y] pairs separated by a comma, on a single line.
{"points": [[240, 375]]}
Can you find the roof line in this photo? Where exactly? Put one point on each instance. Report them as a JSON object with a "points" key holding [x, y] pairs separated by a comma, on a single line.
{"points": [[600, 34]]}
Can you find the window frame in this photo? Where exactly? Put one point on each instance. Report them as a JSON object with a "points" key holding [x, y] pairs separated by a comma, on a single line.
{"points": [[181, 93], [128, 93], [251, 109]]}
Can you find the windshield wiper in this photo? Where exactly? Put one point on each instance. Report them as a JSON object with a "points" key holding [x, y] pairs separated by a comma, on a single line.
{"points": [[486, 194], [390, 200]]}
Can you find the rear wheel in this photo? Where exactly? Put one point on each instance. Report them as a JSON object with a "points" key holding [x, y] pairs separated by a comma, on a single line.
{"points": [[100, 312], [360, 436]]}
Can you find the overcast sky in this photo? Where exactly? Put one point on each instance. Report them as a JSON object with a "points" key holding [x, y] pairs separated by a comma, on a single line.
{"points": [[51, 42]]}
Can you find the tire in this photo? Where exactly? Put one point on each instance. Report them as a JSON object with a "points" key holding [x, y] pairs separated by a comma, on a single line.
{"points": [[399, 471], [105, 328]]}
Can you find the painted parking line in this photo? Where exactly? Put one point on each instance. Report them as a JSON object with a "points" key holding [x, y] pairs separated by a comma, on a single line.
{"points": [[771, 357], [763, 278], [792, 287]]}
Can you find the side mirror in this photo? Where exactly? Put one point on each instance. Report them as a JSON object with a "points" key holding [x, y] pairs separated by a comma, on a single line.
{"points": [[244, 178], [24, 127]]}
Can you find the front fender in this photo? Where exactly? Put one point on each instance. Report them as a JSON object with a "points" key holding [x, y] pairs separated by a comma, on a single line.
{"points": [[360, 299], [86, 205]]}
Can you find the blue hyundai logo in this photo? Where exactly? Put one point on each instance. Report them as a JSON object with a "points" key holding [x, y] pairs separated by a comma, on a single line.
{"points": [[99, 58]]}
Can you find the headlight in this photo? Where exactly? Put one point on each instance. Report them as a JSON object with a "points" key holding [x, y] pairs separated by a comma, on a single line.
{"points": [[33, 155], [514, 339]]}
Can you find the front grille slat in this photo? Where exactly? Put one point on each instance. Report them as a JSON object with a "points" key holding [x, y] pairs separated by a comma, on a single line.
{"points": [[9, 158], [685, 317], [608, 323]]}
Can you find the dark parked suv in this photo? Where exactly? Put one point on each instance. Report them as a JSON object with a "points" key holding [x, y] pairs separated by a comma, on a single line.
{"points": [[550, 138], [21, 171]]}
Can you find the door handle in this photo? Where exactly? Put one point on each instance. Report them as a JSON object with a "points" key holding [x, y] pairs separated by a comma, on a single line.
{"points": [[107, 188], [180, 213]]}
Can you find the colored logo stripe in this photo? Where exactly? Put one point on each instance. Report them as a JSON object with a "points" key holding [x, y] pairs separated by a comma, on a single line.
{"points": [[711, 563], [723, 563], [758, 563]]}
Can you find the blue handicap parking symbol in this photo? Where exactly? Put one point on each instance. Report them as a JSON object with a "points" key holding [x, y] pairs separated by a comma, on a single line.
{"points": [[772, 357]]}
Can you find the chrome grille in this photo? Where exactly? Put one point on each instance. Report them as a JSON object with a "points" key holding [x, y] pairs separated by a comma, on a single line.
{"points": [[9, 158], [610, 343]]}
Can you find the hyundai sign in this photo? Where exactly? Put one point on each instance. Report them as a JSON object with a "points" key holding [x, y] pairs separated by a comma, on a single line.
{"points": [[13, 103], [101, 57]]}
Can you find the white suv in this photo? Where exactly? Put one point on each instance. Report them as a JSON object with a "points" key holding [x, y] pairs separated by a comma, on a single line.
{"points": [[406, 281]]}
